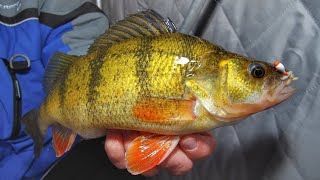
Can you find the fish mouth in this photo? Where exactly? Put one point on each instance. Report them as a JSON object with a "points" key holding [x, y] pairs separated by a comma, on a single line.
{"points": [[271, 97], [284, 90]]}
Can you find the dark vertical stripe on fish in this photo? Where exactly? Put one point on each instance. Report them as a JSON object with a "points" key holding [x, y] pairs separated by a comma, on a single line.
{"points": [[94, 81], [45, 106], [142, 64], [62, 92]]}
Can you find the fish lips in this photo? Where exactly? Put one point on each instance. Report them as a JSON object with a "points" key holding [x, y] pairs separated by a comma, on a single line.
{"points": [[237, 111], [284, 89]]}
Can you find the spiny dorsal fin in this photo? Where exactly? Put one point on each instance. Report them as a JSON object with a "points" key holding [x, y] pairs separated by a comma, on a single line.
{"points": [[145, 23], [56, 67]]}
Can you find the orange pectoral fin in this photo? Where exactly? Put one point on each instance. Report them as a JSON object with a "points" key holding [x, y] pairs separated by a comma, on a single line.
{"points": [[63, 138], [157, 110], [147, 151]]}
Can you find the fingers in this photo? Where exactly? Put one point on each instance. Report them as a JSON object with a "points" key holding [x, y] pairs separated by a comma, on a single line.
{"points": [[128, 137], [152, 172], [114, 147], [191, 147], [198, 146], [177, 163], [117, 142]]}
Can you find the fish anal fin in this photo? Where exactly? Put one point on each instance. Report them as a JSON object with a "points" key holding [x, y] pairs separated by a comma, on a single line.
{"points": [[144, 23], [149, 150], [55, 68], [160, 110], [63, 139]]}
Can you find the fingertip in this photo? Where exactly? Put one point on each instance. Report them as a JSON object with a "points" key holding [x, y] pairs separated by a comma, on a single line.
{"points": [[209, 141], [114, 141], [177, 163], [198, 146], [114, 148], [189, 142]]}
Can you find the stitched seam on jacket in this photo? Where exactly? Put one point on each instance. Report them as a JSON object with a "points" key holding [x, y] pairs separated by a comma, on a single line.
{"points": [[233, 30], [298, 125], [302, 121], [310, 14], [294, 165], [269, 27], [179, 11]]}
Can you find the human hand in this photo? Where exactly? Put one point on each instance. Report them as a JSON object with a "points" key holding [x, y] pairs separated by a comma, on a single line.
{"points": [[191, 148]]}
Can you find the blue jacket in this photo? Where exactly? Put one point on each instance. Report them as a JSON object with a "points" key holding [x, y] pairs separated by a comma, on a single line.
{"points": [[37, 29]]}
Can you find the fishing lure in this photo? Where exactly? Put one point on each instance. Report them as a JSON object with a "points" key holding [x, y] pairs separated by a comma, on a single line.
{"points": [[280, 67]]}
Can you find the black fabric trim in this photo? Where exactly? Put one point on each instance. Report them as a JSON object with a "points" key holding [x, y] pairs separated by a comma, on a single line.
{"points": [[203, 22], [54, 20], [25, 14], [88, 160], [17, 106]]}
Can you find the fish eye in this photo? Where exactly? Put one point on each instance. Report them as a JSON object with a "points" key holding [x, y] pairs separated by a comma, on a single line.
{"points": [[256, 70]]}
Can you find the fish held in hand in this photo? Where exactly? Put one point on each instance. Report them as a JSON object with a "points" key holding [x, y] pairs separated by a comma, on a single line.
{"points": [[142, 75]]}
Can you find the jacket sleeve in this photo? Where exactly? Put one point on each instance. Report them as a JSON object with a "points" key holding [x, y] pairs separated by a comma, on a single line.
{"points": [[70, 27]]}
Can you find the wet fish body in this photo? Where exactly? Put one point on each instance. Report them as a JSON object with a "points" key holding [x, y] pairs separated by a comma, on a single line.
{"points": [[140, 75], [103, 90]]}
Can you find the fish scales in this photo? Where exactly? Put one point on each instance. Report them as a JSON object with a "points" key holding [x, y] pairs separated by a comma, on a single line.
{"points": [[104, 94], [70, 95], [142, 75], [137, 73]]}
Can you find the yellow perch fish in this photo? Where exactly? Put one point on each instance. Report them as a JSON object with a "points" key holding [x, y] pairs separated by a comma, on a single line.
{"points": [[142, 75]]}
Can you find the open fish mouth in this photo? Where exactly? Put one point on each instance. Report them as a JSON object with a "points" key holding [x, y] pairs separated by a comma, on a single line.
{"points": [[284, 90]]}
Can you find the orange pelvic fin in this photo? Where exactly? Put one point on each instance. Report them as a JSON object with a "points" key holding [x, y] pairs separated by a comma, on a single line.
{"points": [[158, 110], [63, 138], [149, 150]]}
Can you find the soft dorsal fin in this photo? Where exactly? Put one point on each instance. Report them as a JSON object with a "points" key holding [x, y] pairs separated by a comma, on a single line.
{"points": [[145, 23], [57, 65]]}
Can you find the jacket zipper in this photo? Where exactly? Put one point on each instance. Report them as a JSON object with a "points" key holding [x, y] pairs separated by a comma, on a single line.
{"points": [[17, 105]]}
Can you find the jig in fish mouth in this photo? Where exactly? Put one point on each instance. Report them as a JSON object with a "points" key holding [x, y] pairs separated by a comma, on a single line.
{"points": [[284, 90]]}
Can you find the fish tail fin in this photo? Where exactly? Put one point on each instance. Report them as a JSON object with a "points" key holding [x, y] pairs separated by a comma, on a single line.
{"points": [[35, 130]]}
